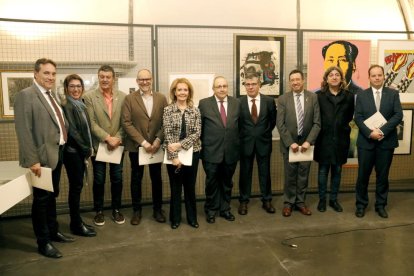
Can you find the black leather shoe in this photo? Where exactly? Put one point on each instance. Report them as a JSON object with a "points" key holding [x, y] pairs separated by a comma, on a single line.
{"points": [[174, 225], [360, 212], [83, 230], [48, 250], [62, 238], [268, 207], [194, 224], [227, 215], [159, 216], [322, 205], [211, 219], [335, 205], [381, 212]]}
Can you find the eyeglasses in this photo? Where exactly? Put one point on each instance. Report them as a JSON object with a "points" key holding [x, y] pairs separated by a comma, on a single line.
{"points": [[221, 86], [143, 80], [75, 86], [250, 84]]}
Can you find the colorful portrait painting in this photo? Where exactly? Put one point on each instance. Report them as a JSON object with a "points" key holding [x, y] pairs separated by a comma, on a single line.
{"points": [[352, 56]]}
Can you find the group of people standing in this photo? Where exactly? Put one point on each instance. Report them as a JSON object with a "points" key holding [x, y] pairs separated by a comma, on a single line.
{"points": [[221, 131]]}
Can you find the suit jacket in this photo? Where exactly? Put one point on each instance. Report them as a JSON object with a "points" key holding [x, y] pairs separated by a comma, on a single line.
{"points": [[138, 124], [37, 129], [287, 124], [390, 108], [259, 134], [219, 143], [101, 124]]}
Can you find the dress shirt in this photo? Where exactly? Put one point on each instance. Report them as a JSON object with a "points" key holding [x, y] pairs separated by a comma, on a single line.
{"points": [[148, 102], [224, 103], [257, 102]]}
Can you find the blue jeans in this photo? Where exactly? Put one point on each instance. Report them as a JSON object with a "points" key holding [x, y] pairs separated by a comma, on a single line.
{"points": [[99, 175], [323, 172]]}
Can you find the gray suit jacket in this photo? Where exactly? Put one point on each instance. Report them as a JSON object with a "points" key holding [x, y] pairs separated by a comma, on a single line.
{"points": [[219, 143], [138, 124], [37, 129], [287, 124], [101, 124]]}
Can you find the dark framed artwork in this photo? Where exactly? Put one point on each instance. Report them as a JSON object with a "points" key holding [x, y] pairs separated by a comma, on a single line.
{"points": [[261, 54]]}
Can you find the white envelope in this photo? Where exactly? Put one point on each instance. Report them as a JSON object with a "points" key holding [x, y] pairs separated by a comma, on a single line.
{"points": [[44, 181], [105, 155], [301, 156], [146, 158], [375, 121], [185, 156]]}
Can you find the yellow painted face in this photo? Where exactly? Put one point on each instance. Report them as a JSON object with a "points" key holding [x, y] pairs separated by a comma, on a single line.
{"points": [[336, 56]]}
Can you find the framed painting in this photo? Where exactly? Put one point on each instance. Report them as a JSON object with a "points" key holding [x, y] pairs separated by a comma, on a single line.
{"points": [[202, 84], [397, 57], [405, 132], [11, 84], [263, 55], [352, 56]]}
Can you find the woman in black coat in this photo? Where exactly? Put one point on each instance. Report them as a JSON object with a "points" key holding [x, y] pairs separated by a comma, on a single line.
{"points": [[78, 149], [331, 148]]}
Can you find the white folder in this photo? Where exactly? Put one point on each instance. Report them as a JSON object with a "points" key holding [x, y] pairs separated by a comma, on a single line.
{"points": [[185, 157], [109, 156], [146, 158], [301, 156]]}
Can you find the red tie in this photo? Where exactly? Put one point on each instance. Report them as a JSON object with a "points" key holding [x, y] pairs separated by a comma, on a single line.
{"points": [[254, 111], [59, 115], [223, 114]]}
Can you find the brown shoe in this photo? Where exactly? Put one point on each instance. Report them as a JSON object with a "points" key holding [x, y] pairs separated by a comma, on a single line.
{"points": [[159, 216], [287, 211], [267, 205], [243, 208], [305, 210], [136, 218]]}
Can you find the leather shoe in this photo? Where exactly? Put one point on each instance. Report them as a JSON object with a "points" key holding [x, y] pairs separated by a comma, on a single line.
{"points": [[194, 224], [322, 205], [287, 211], [211, 219], [268, 207], [335, 205], [48, 250], [83, 230], [159, 216], [242, 208], [59, 237], [174, 225], [305, 210], [136, 218], [227, 216], [360, 212], [381, 212]]}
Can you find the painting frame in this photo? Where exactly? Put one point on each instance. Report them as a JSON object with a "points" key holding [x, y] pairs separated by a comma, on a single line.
{"points": [[11, 82], [260, 53], [405, 132], [389, 51]]}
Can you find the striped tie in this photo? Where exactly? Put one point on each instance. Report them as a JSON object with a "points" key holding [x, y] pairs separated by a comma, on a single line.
{"points": [[300, 114]]}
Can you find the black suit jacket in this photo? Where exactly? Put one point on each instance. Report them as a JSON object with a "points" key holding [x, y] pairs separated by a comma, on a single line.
{"points": [[390, 108], [259, 134], [219, 143]]}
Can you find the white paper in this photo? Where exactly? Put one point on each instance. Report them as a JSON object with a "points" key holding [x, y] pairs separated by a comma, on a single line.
{"points": [[105, 155], [185, 157], [146, 158], [375, 121], [44, 181], [13, 192], [301, 156]]}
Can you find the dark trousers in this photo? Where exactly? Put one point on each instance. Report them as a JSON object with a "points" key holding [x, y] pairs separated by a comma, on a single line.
{"points": [[296, 182], [323, 172], [185, 177], [75, 168], [245, 180], [137, 172], [44, 218], [219, 184], [99, 176], [367, 159]]}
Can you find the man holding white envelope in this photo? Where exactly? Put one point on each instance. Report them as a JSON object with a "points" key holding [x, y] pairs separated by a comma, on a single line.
{"points": [[378, 111]]}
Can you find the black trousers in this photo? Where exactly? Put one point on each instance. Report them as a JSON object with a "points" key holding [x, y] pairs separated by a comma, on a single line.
{"points": [[44, 218], [137, 172], [219, 183], [185, 177]]}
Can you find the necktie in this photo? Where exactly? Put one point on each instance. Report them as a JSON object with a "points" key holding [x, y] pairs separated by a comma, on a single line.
{"points": [[59, 115], [223, 114], [300, 114], [254, 111], [377, 100]]}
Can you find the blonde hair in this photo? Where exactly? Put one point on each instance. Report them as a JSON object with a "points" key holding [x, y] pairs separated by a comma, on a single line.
{"points": [[173, 88]]}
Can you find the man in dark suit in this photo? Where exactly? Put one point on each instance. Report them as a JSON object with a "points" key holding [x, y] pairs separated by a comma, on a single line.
{"points": [[376, 145], [220, 148], [42, 133], [298, 122], [142, 121], [257, 120]]}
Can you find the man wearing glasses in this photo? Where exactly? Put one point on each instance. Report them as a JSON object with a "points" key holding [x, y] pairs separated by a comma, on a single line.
{"points": [[220, 148], [142, 121], [257, 120]]}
